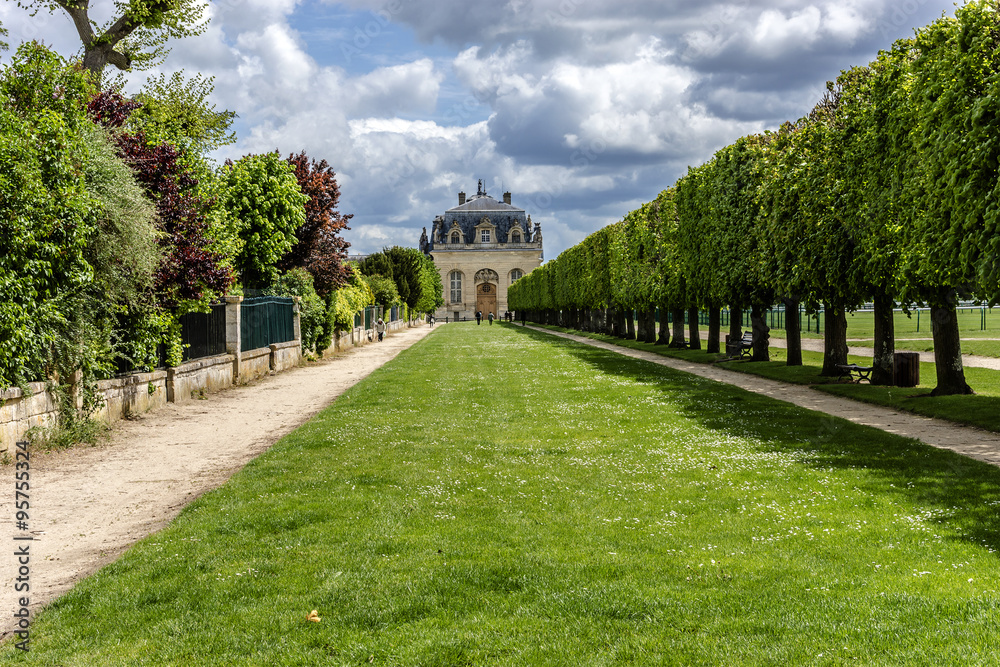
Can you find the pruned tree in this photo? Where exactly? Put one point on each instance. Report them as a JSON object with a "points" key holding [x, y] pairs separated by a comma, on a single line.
{"points": [[135, 39], [319, 248]]}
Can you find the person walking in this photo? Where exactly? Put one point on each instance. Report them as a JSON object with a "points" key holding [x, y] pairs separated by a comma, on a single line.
{"points": [[479, 317], [491, 319], [380, 329]]}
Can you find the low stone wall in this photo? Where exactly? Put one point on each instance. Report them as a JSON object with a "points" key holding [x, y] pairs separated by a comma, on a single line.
{"points": [[131, 395], [254, 364], [19, 412], [209, 374], [285, 355]]}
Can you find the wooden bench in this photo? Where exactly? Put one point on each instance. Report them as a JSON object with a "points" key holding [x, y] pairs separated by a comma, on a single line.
{"points": [[743, 346], [856, 373]]}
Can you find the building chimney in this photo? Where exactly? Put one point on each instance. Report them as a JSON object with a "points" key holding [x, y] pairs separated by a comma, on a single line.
{"points": [[461, 198], [506, 198]]}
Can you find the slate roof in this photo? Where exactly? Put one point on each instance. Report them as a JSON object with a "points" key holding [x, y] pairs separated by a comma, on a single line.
{"points": [[483, 203]]}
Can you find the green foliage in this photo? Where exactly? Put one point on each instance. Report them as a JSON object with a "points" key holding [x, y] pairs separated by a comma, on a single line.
{"points": [[177, 111], [384, 291], [261, 197], [405, 267], [345, 302], [135, 37], [431, 287], [47, 217]]}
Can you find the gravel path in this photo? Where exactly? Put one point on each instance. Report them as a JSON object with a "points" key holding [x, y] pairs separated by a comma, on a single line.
{"points": [[969, 441], [89, 504]]}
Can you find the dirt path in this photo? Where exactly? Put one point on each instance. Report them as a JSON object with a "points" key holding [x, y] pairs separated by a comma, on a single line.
{"points": [[816, 345], [89, 504], [972, 442]]}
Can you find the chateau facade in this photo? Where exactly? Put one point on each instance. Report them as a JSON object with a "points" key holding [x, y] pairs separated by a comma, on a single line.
{"points": [[481, 247]]}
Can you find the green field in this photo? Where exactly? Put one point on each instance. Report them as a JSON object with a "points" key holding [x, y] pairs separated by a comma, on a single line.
{"points": [[497, 496], [861, 325]]}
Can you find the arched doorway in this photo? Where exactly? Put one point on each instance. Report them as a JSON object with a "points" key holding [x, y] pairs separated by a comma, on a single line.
{"points": [[486, 299], [487, 282]]}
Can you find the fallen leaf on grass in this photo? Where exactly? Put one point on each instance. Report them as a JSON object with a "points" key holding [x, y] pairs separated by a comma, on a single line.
{"points": [[314, 616]]}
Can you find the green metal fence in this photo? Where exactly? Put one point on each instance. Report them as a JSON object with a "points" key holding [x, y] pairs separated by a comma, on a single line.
{"points": [[266, 320]]}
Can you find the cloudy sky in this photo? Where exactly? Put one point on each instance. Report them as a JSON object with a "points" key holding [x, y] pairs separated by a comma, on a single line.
{"points": [[583, 109]]}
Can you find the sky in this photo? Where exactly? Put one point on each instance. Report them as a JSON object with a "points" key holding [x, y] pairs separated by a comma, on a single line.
{"points": [[582, 109]]}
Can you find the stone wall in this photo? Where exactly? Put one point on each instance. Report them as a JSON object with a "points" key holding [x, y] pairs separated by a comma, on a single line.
{"points": [[19, 412], [139, 392], [192, 379], [254, 364], [285, 355]]}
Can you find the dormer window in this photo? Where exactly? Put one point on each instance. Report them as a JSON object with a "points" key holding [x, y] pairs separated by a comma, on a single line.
{"points": [[484, 236], [456, 237], [515, 236]]}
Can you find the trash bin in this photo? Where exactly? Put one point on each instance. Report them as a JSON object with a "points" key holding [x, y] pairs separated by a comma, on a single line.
{"points": [[906, 369]]}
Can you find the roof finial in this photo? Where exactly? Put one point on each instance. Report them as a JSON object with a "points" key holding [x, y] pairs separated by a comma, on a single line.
{"points": [[481, 191]]}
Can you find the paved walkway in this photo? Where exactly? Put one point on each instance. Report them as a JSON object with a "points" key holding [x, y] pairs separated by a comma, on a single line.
{"points": [[816, 345], [969, 441]]}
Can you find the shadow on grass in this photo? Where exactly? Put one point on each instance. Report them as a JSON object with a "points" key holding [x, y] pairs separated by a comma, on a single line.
{"points": [[979, 410], [968, 490]]}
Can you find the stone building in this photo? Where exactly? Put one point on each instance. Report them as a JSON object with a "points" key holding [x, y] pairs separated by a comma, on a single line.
{"points": [[481, 247]]}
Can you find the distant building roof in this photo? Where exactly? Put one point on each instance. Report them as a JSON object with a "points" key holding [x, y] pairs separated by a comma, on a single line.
{"points": [[483, 202]]}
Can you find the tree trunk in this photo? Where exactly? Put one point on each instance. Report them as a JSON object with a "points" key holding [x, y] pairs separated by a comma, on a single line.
{"points": [[649, 315], [621, 324], [640, 326], [629, 324], [609, 321], [761, 335], [947, 349], [677, 315], [735, 323], [714, 327], [885, 340], [834, 340], [793, 332], [694, 336], [664, 338]]}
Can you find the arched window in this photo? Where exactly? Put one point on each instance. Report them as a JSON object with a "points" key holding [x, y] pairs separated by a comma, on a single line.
{"points": [[456, 237], [515, 236], [516, 275], [455, 278]]}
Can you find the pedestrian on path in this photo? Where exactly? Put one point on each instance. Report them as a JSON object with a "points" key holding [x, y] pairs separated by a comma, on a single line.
{"points": [[491, 319], [380, 329], [479, 317]]}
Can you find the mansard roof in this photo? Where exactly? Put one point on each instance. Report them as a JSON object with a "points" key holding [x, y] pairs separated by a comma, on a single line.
{"points": [[483, 202]]}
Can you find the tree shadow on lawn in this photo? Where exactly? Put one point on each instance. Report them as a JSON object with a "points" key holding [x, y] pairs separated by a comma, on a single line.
{"points": [[967, 489]]}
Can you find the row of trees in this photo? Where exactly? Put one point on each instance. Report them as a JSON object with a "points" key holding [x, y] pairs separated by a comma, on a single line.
{"points": [[114, 222], [885, 193]]}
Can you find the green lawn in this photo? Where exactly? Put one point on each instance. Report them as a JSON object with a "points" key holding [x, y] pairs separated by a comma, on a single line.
{"points": [[497, 496], [970, 345], [980, 410]]}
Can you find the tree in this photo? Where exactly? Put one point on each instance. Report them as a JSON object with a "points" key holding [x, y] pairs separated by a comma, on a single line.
{"points": [[262, 197], [135, 38], [78, 244], [177, 111], [431, 287], [384, 290], [191, 272], [319, 248]]}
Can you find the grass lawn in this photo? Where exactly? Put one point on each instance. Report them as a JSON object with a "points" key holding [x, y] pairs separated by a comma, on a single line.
{"points": [[979, 410], [970, 345], [496, 496]]}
